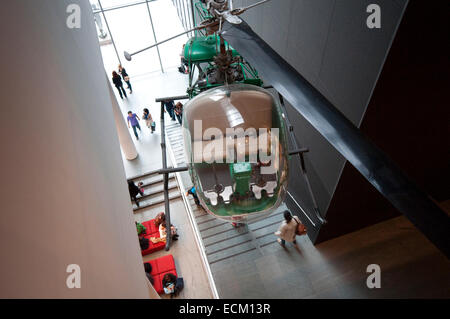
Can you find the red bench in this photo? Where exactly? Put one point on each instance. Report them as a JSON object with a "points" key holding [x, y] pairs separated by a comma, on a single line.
{"points": [[152, 231], [160, 267]]}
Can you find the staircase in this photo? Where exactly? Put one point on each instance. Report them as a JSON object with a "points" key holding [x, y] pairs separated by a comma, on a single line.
{"points": [[154, 190]]}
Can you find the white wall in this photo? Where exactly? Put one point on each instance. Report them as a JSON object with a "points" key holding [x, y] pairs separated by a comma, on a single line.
{"points": [[64, 196]]}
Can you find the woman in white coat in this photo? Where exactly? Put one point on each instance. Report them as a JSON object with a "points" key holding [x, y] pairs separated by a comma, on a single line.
{"points": [[288, 228]]}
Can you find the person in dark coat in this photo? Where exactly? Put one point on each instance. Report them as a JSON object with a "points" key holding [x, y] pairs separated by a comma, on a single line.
{"points": [[172, 285], [134, 191], [170, 106], [125, 77], [118, 83], [144, 243]]}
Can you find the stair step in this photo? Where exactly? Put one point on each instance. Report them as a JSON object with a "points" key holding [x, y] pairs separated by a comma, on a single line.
{"points": [[158, 191], [263, 230], [145, 175], [220, 245], [154, 180], [204, 218], [198, 211], [212, 224], [159, 184], [231, 252], [155, 203], [211, 232], [277, 216]]}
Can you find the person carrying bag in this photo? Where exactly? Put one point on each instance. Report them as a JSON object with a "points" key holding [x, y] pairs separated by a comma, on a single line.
{"points": [[289, 229]]}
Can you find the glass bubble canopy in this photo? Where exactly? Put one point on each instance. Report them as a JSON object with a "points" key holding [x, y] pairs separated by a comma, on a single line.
{"points": [[236, 143]]}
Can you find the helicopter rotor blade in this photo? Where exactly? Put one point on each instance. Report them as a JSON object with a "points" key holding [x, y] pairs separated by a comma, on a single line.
{"points": [[343, 135]]}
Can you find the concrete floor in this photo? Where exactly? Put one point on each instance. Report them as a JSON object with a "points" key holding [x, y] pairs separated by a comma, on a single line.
{"points": [[146, 88], [411, 267]]}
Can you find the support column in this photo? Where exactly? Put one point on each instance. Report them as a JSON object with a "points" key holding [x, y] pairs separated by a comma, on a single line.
{"points": [[126, 143]]}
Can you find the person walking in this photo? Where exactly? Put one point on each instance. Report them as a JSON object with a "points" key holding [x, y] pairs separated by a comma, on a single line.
{"points": [[288, 229], [125, 77], [179, 111], [134, 191], [149, 120], [133, 120], [170, 108], [118, 83], [193, 192]]}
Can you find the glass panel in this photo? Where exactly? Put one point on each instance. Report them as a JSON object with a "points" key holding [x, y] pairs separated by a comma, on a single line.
{"points": [[94, 4], [104, 37], [132, 31], [166, 28], [102, 30]]}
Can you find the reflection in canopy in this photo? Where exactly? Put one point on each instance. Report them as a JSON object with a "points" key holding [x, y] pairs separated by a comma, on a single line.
{"points": [[237, 151]]}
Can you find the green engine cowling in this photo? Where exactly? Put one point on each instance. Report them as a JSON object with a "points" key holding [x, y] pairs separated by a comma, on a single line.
{"points": [[203, 49]]}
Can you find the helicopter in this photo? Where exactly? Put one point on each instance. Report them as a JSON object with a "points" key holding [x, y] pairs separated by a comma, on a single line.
{"points": [[239, 157], [238, 153]]}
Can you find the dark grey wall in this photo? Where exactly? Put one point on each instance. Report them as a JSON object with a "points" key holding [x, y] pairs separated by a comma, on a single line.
{"points": [[329, 43], [407, 118]]}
